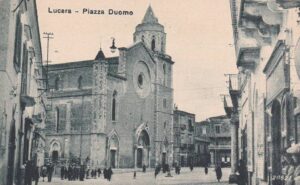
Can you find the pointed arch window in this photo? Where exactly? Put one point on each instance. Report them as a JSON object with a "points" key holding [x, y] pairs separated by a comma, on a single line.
{"points": [[80, 82], [114, 102], [57, 119], [153, 43], [56, 83]]}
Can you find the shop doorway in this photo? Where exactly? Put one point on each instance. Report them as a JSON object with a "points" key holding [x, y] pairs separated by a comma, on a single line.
{"points": [[276, 138]]}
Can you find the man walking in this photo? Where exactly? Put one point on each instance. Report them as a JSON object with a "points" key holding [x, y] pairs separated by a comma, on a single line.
{"points": [[218, 172], [50, 171]]}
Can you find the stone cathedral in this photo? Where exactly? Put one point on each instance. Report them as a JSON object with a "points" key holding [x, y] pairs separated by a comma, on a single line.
{"points": [[114, 111]]}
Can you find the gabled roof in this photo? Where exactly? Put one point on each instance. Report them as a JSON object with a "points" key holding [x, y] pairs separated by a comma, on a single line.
{"points": [[149, 16]]}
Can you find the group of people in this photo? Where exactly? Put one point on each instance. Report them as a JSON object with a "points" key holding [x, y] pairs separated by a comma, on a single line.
{"points": [[76, 172], [73, 172], [107, 173]]}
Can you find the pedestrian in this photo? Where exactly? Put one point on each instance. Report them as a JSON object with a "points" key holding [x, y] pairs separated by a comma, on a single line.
{"points": [[134, 174], [218, 172], [99, 172], [206, 169], [242, 169], [69, 172], [28, 173], [109, 173], [105, 173], [36, 174], [81, 173], [50, 168], [156, 171], [191, 167], [144, 168], [62, 172], [66, 173], [44, 172]]}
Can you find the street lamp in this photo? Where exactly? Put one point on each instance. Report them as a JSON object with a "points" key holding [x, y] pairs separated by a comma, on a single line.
{"points": [[113, 48]]}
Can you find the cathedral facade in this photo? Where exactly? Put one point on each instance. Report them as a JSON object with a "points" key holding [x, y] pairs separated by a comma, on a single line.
{"points": [[114, 111]]}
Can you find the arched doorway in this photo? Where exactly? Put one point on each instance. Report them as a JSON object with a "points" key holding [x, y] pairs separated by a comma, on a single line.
{"points": [[55, 151], [11, 152], [113, 150], [276, 138], [143, 149]]}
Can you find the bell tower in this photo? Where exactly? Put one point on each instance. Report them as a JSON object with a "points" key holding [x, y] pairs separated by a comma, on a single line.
{"points": [[151, 33]]}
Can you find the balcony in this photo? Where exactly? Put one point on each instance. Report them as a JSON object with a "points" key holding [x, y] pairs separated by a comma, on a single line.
{"points": [[234, 91], [228, 108], [248, 57], [288, 3], [219, 147]]}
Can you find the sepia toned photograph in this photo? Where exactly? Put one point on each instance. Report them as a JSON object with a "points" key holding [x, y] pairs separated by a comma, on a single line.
{"points": [[150, 92]]}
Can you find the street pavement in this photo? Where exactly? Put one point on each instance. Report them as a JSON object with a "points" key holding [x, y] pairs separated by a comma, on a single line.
{"points": [[186, 177]]}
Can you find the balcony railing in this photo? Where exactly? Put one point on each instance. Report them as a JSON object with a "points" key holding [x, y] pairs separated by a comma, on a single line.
{"points": [[219, 147]]}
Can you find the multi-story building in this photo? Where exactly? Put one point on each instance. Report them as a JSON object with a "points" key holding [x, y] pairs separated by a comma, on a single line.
{"points": [[183, 128], [265, 103], [218, 131], [114, 111], [201, 142], [22, 110]]}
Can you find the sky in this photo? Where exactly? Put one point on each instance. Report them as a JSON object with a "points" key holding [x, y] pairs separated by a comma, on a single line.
{"points": [[199, 39]]}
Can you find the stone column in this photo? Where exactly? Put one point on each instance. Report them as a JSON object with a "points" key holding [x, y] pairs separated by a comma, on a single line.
{"points": [[234, 146]]}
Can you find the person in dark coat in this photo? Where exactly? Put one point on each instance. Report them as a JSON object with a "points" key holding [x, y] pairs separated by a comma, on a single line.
{"points": [[69, 172], [44, 172], [219, 172], [66, 173], [109, 173], [134, 174], [62, 172], [156, 171], [50, 172], [144, 168], [206, 169], [242, 169], [81, 173], [191, 167], [28, 173], [105, 173], [99, 172], [36, 174]]}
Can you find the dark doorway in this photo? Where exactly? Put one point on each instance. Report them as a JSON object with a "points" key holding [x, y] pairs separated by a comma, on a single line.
{"points": [[182, 161], [164, 159], [276, 138], [139, 157], [11, 152], [113, 158], [55, 155]]}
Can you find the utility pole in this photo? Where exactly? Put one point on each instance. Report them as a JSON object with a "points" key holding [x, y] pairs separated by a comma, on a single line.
{"points": [[48, 36]]}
